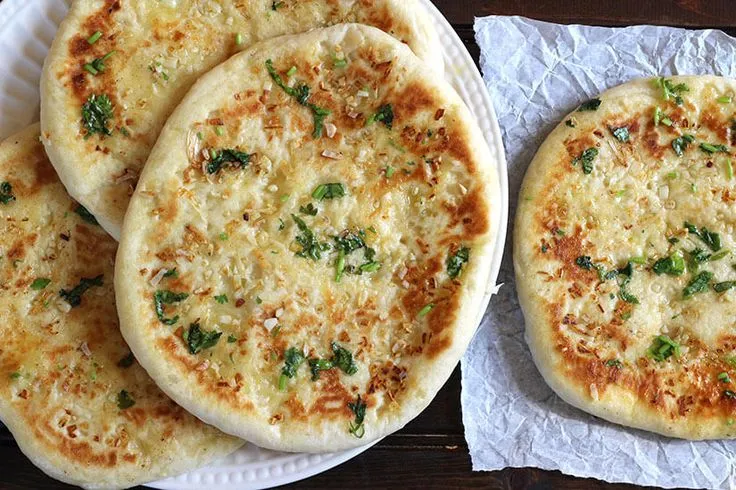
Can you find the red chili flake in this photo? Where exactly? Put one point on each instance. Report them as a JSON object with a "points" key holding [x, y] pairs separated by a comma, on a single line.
{"points": [[239, 302]]}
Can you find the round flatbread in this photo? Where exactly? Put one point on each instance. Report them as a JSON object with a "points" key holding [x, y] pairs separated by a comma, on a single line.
{"points": [[77, 402], [118, 68], [332, 242], [624, 254]]}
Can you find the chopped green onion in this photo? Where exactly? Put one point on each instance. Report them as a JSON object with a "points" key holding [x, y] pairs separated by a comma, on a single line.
{"points": [[238, 39], [729, 169], [219, 130], [291, 71], [340, 63], [40, 283], [94, 37], [389, 171], [340, 265], [726, 99], [723, 377], [223, 236]]}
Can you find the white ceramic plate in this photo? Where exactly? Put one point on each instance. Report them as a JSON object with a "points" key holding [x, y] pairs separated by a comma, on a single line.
{"points": [[26, 31]]}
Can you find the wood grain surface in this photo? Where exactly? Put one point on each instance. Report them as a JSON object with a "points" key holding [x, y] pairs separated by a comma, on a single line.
{"points": [[431, 451]]}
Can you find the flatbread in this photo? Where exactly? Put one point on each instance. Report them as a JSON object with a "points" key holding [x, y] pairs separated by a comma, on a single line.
{"points": [[66, 375], [302, 250], [623, 249], [160, 48]]}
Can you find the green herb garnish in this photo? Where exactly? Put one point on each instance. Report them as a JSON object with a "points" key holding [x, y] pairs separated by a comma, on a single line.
{"points": [[456, 261], [712, 239], [309, 210], [74, 296], [724, 286], [40, 283], [85, 215], [301, 93], [662, 348], [6, 193], [723, 377], [621, 134], [698, 284], [276, 5], [171, 273], [670, 91], [98, 64], [293, 358], [164, 297], [385, 114], [198, 339], [96, 112], [425, 310], [710, 148], [681, 143], [311, 247], [674, 265], [221, 298], [328, 191], [614, 363], [590, 105], [94, 37], [125, 400], [127, 361], [356, 427], [231, 339], [227, 157], [586, 158], [660, 116]]}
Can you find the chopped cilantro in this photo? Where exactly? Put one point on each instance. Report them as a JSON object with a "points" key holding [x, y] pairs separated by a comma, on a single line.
{"points": [[385, 114], [584, 262], [729, 394], [125, 400], [318, 365], [276, 5], [223, 236], [96, 112], [712, 239], [164, 297], [698, 284], [662, 348], [586, 158], [198, 339], [357, 427], [6, 193], [231, 339], [221, 298], [660, 116], [456, 261], [74, 296], [614, 363], [674, 265], [389, 170], [311, 247], [670, 91], [127, 361], [328, 191], [171, 273], [590, 105], [724, 286], [282, 225], [85, 215], [293, 358], [621, 134], [40, 283], [681, 143], [309, 210], [227, 157], [571, 123], [723, 377], [301, 94]]}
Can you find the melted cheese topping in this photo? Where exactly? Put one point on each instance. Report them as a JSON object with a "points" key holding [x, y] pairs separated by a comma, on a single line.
{"points": [[159, 49], [60, 377], [416, 192], [650, 349]]}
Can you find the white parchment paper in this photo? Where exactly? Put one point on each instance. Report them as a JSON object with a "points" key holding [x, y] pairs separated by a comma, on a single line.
{"points": [[536, 73]]}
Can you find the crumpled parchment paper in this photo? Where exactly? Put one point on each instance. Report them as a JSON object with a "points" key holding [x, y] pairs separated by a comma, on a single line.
{"points": [[536, 73]]}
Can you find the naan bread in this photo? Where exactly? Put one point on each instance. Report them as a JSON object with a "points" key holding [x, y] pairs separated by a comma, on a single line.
{"points": [[313, 287], [159, 49], [76, 401], [624, 258]]}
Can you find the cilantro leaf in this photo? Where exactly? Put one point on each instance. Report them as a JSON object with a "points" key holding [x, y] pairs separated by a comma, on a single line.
{"points": [[681, 143], [586, 158], [85, 215], [125, 400], [96, 112], [227, 157], [74, 296], [456, 261], [311, 247], [165, 297], [698, 284], [385, 114], [662, 348], [590, 105], [198, 339], [6, 193], [356, 427]]}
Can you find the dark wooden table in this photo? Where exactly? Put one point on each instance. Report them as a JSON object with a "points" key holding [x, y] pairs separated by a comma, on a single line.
{"points": [[431, 451]]}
